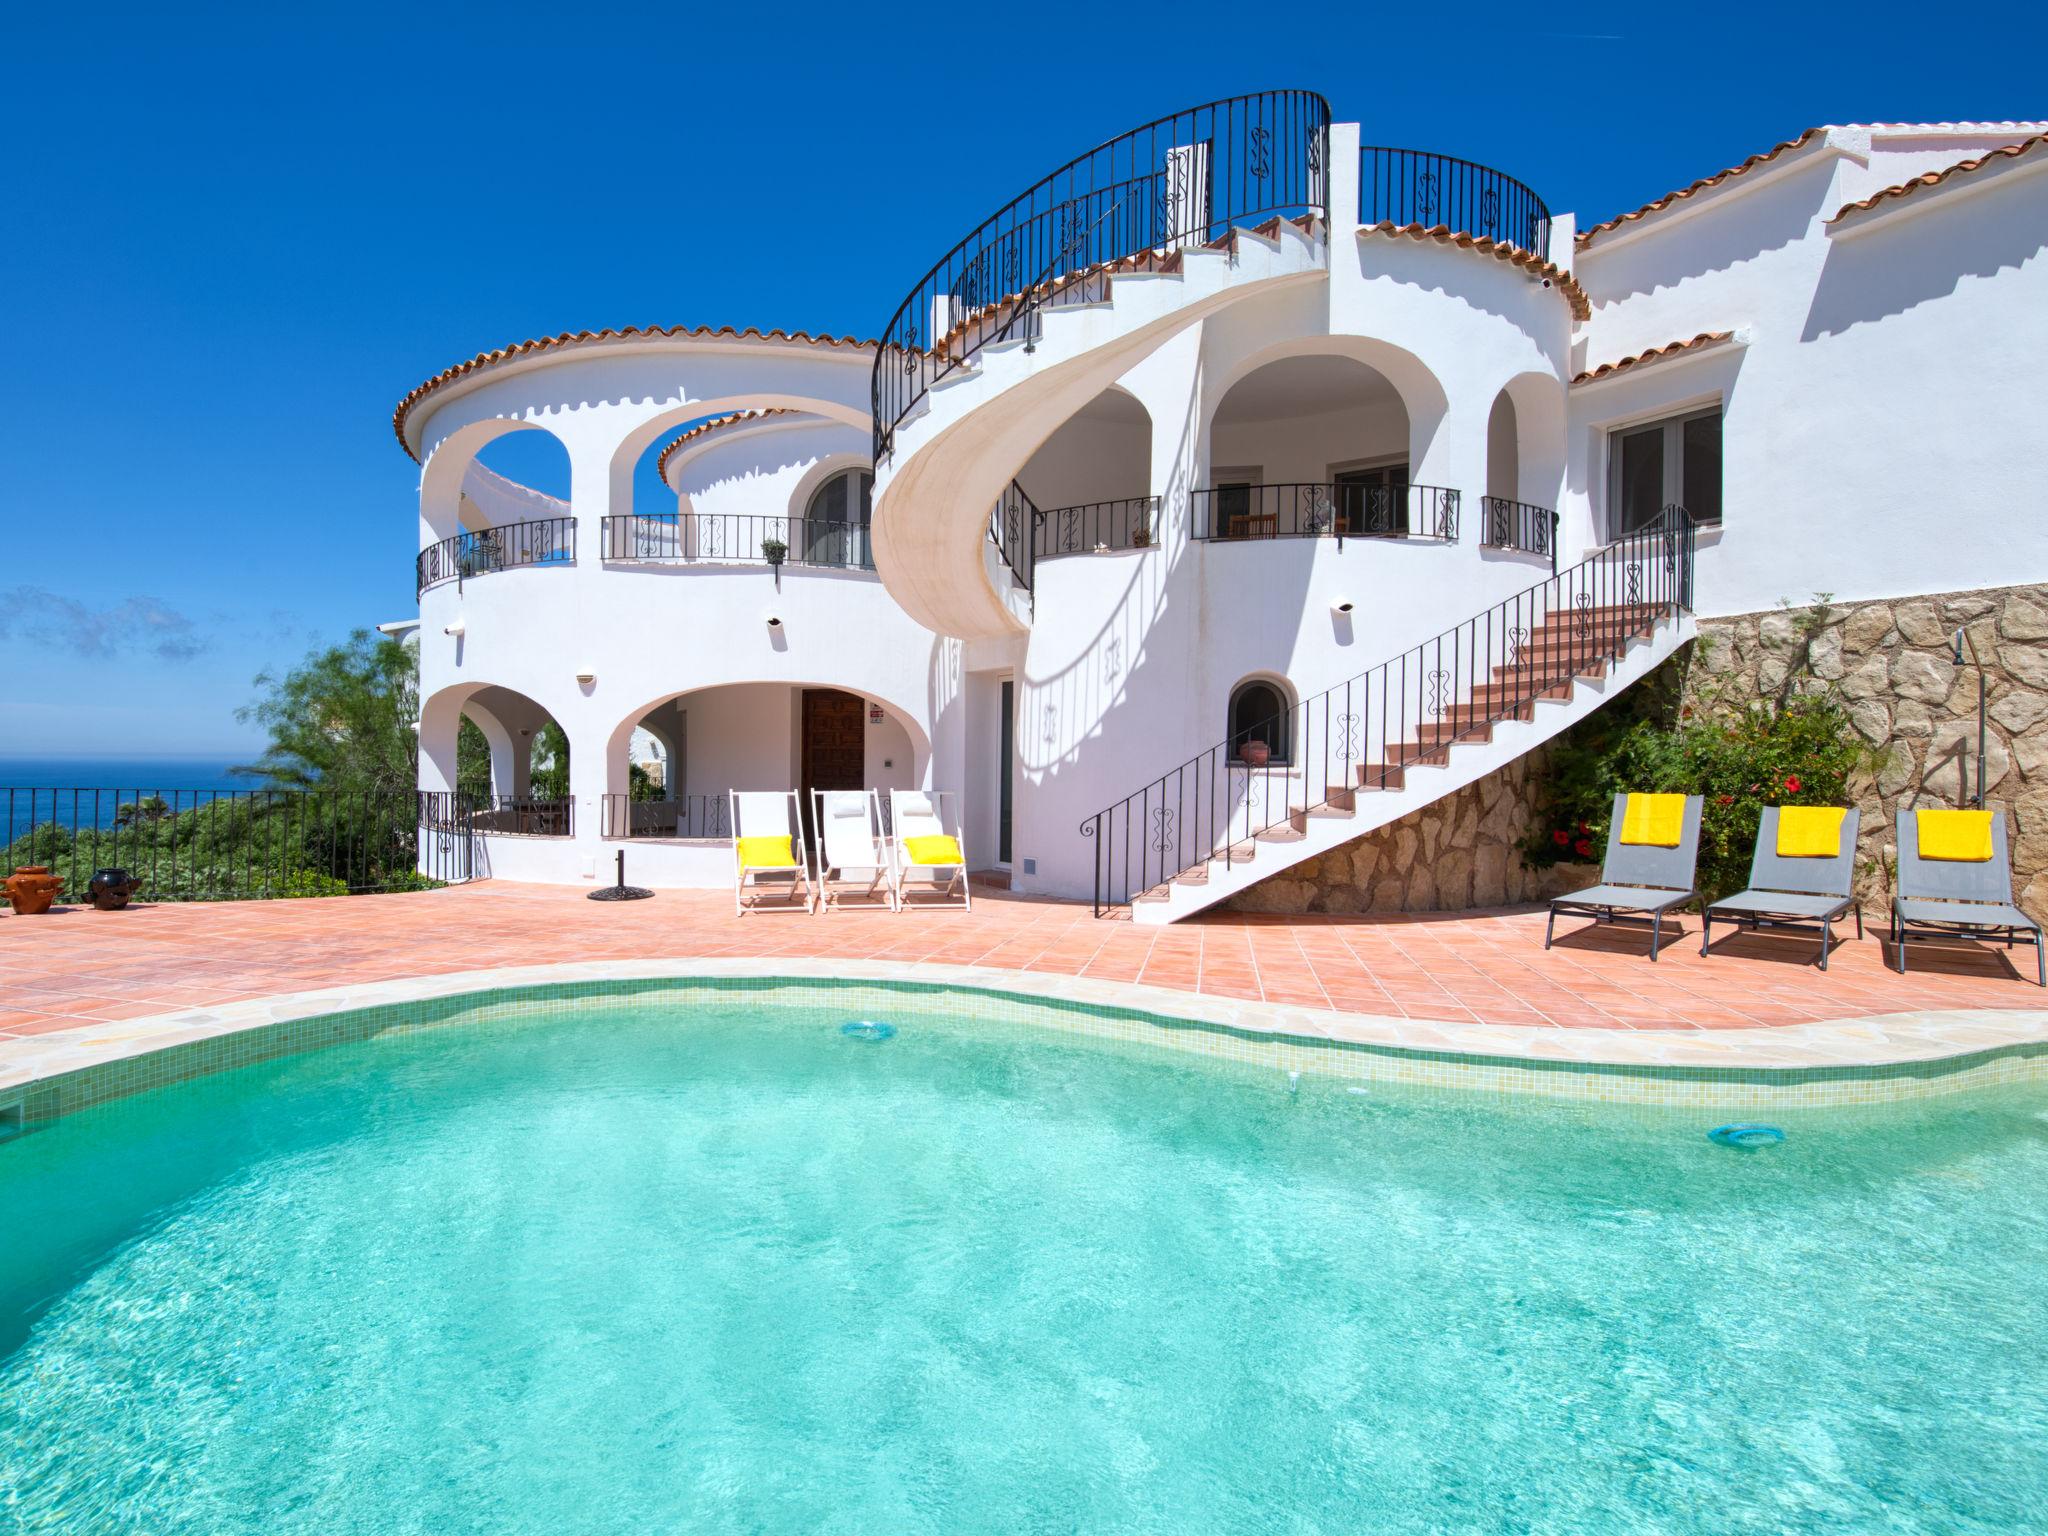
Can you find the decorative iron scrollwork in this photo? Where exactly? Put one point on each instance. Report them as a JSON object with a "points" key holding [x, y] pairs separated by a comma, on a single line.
{"points": [[1517, 638], [1582, 621], [1489, 210], [1425, 194], [1439, 692], [1260, 152], [1635, 581], [1347, 736], [1163, 822]]}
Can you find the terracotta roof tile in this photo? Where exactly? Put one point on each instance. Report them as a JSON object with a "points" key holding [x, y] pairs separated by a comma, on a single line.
{"points": [[623, 333], [1514, 255], [1669, 198], [1653, 355], [1936, 178], [714, 424]]}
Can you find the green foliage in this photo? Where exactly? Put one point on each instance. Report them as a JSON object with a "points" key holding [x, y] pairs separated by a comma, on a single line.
{"points": [[1797, 750], [342, 719], [310, 882], [550, 780], [472, 756]]}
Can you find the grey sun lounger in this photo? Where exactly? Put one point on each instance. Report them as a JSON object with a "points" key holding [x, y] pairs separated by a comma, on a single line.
{"points": [[1792, 893], [1639, 883], [1951, 899]]}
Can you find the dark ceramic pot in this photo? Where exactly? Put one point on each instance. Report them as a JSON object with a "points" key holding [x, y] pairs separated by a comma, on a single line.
{"points": [[1254, 754], [111, 888]]}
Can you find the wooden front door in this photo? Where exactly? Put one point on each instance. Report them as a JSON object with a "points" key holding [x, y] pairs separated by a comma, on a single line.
{"points": [[834, 743]]}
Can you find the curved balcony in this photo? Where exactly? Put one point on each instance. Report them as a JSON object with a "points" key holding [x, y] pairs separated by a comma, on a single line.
{"points": [[1182, 180], [1412, 186], [724, 538], [1234, 513], [475, 552]]}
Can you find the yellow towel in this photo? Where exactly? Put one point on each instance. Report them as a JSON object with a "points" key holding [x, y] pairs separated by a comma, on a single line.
{"points": [[765, 853], [1962, 837], [933, 850], [1809, 831], [1658, 820]]}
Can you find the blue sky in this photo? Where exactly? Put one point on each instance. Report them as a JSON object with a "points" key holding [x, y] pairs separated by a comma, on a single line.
{"points": [[237, 235]]}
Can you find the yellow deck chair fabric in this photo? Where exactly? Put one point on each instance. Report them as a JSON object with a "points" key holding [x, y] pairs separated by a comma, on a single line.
{"points": [[1810, 831], [1655, 820], [766, 853], [1961, 837], [933, 850]]}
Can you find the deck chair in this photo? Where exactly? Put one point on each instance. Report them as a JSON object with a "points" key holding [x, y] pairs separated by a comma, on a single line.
{"points": [[1789, 892], [768, 848], [923, 847], [1959, 899], [1639, 882], [852, 854]]}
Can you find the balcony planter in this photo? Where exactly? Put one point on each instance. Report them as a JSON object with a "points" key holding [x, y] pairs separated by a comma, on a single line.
{"points": [[31, 889], [111, 888], [1141, 536], [1254, 754]]}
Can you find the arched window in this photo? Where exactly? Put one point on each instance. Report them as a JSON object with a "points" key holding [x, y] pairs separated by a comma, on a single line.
{"points": [[836, 520], [1259, 712]]}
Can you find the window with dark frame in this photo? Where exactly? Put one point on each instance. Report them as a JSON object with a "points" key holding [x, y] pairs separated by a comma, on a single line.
{"points": [[1656, 464]]}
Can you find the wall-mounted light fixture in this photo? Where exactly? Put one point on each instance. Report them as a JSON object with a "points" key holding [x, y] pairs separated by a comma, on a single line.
{"points": [[586, 676], [458, 629]]}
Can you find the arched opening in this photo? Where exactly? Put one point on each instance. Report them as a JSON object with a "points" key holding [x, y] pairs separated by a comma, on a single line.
{"points": [[753, 736], [504, 757], [1092, 478], [1524, 463], [1312, 445], [1261, 722], [492, 476], [836, 518]]}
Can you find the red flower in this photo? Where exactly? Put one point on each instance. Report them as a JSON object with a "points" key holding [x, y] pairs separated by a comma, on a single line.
{"points": [[1792, 784], [1583, 848], [1724, 799], [1685, 713], [1561, 837], [1584, 829]]}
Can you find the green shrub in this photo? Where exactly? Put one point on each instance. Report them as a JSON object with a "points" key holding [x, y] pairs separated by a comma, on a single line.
{"points": [[1799, 751], [311, 882]]}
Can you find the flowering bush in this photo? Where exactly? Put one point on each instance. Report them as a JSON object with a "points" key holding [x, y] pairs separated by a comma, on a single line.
{"points": [[1800, 751]]}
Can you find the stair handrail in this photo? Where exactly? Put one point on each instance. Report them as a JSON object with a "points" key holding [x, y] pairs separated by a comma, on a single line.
{"points": [[1013, 529], [1208, 168], [1356, 734]]}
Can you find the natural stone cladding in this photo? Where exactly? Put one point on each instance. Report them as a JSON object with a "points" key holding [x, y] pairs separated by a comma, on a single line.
{"points": [[1891, 663], [1462, 852]]}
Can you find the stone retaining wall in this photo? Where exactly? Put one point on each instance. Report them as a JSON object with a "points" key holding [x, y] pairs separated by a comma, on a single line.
{"points": [[1892, 664]]}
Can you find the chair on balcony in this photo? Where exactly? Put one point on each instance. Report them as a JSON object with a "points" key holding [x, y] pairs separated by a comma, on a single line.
{"points": [[768, 849], [1955, 882], [1800, 875], [1652, 847], [853, 855], [925, 852]]}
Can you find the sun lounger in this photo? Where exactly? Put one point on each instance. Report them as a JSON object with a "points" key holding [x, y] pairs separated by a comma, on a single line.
{"points": [[853, 855], [1639, 881], [1793, 891], [768, 849], [927, 855], [1959, 898]]}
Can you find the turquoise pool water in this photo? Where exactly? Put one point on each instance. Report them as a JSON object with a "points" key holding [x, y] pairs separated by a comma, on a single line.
{"points": [[663, 1267]]}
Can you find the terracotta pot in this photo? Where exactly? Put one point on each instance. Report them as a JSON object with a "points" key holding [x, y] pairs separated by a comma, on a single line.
{"points": [[111, 888], [1254, 754], [31, 888]]}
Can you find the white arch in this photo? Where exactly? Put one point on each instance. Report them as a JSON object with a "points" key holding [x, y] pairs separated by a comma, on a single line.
{"points": [[1538, 400], [442, 476], [1421, 391]]}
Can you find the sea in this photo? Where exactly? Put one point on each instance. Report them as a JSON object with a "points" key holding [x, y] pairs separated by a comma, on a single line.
{"points": [[87, 791]]}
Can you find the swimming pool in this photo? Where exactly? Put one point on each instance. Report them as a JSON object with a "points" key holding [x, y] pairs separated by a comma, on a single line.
{"points": [[662, 1264]]}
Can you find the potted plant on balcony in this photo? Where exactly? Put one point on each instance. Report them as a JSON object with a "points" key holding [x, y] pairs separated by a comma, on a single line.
{"points": [[1141, 533], [1254, 753], [774, 551]]}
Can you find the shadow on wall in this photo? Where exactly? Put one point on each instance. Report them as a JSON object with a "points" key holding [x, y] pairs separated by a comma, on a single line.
{"points": [[1770, 219], [1884, 272]]}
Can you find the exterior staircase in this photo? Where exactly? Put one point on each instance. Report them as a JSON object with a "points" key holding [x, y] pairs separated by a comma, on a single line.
{"points": [[1056, 297], [1394, 739]]}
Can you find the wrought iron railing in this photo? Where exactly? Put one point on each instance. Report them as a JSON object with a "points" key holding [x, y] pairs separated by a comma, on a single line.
{"points": [[736, 538], [1365, 733], [514, 815], [1132, 523], [1413, 186], [683, 816], [1182, 180], [1326, 511], [1505, 524], [1010, 528], [543, 541], [236, 845]]}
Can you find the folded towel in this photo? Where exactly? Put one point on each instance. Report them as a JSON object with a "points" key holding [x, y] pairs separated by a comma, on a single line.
{"points": [[1962, 837], [1809, 831], [1658, 820], [933, 850], [766, 853]]}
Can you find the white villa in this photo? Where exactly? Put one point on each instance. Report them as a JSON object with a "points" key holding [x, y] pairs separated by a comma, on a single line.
{"points": [[1243, 490]]}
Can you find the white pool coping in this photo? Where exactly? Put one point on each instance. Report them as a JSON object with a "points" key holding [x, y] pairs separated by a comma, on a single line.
{"points": [[1879, 1040]]}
